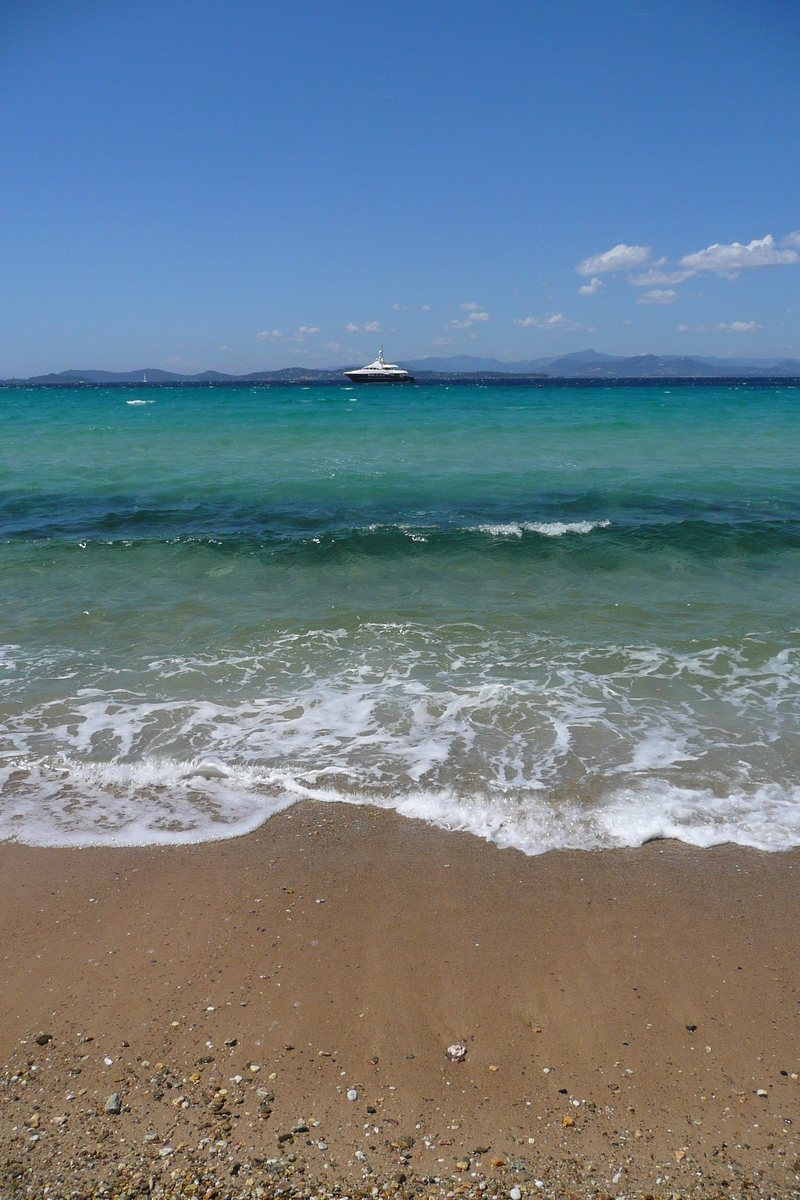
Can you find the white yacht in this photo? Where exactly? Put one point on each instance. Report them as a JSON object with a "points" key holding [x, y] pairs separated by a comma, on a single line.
{"points": [[380, 371]]}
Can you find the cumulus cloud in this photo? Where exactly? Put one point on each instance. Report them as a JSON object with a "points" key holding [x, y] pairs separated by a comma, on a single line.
{"points": [[738, 327], [351, 328], [372, 327], [620, 258], [592, 287], [556, 321], [652, 277], [275, 335], [729, 260], [476, 313], [658, 296], [792, 239]]}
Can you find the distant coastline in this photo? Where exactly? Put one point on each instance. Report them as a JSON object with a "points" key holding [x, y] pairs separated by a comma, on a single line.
{"points": [[583, 367]]}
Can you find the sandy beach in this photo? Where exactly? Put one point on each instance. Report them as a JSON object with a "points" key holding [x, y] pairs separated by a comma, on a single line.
{"points": [[273, 1013]]}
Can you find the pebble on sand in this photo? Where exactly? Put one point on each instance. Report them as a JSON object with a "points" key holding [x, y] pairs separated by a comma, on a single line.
{"points": [[113, 1104], [456, 1052]]}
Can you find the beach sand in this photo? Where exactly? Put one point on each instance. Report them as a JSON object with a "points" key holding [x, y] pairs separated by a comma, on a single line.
{"points": [[622, 1012]]}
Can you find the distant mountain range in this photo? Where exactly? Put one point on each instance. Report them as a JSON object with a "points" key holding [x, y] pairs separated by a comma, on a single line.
{"points": [[585, 364], [593, 364]]}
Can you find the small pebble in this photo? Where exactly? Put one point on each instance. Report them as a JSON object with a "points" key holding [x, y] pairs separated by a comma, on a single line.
{"points": [[515, 1194], [113, 1104], [352, 1094]]}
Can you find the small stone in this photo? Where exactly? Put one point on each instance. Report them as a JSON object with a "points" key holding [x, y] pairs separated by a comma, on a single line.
{"points": [[498, 1162], [457, 1052], [762, 1092], [515, 1194], [352, 1094], [113, 1104], [567, 1122], [371, 1108], [322, 1145], [231, 1042], [492, 1068], [33, 1121], [463, 1165], [43, 1039], [301, 1128], [254, 1068], [284, 1137]]}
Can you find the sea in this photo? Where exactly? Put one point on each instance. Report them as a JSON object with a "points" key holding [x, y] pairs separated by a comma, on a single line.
{"points": [[554, 617]]}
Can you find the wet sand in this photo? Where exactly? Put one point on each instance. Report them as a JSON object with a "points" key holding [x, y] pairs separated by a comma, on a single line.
{"points": [[622, 1011]]}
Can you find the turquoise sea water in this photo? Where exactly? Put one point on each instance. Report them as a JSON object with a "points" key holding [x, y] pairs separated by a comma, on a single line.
{"points": [[561, 617]]}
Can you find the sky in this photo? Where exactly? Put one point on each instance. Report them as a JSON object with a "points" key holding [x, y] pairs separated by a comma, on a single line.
{"points": [[250, 185]]}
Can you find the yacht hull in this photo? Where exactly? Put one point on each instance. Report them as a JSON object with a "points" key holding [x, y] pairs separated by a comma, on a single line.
{"points": [[358, 377]]}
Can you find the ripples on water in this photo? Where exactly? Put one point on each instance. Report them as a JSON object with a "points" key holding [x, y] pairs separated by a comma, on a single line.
{"points": [[561, 619]]}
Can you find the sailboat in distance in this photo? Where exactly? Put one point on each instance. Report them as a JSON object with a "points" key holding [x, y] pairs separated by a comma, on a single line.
{"points": [[380, 371]]}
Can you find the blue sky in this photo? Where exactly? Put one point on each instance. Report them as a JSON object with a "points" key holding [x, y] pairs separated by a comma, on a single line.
{"points": [[250, 185]]}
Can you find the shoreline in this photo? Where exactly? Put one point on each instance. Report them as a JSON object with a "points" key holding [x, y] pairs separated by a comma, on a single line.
{"points": [[368, 942]]}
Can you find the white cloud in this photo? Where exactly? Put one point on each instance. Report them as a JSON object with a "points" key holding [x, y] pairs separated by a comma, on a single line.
{"points": [[372, 327], [475, 314], [683, 329], [658, 296], [556, 321], [729, 260], [651, 277], [426, 308], [305, 330], [224, 348], [792, 239], [351, 328], [442, 341], [620, 258], [738, 327], [265, 335], [591, 288], [470, 307], [333, 346]]}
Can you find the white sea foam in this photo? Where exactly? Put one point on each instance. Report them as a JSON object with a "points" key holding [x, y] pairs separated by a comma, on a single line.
{"points": [[529, 741], [545, 528]]}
